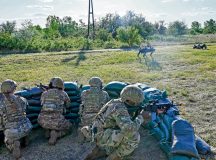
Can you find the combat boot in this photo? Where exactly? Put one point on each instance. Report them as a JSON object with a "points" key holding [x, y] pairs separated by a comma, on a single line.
{"points": [[16, 150], [96, 153], [47, 133], [62, 133], [53, 137], [25, 141], [113, 156]]}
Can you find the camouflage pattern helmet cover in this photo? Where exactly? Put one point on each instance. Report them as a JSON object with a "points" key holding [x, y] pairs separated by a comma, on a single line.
{"points": [[95, 82], [133, 94], [57, 82], [8, 86]]}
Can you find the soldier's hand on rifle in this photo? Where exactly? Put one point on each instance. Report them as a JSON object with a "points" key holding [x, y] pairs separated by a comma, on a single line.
{"points": [[160, 111], [146, 116]]}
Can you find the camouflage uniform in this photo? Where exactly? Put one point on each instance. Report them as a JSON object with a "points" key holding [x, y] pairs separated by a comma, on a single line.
{"points": [[92, 101], [13, 116], [113, 129], [54, 102]]}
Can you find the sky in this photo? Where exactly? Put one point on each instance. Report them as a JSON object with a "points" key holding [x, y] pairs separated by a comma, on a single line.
{"points": [[153, 10]]}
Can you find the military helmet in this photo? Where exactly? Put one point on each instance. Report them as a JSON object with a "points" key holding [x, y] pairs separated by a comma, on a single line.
{"points": [[95, 82], [8, 86], [133, 94], [57, 82]]}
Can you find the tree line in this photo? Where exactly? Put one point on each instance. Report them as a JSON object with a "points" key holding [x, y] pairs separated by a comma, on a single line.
{"points": [[111, 31]]}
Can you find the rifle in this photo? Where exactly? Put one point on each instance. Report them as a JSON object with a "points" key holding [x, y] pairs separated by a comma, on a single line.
{"points": [[42, 86], [152, 106]]}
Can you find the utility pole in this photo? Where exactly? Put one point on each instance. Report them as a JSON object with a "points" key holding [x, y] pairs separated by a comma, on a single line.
{"points": [[91, 16]]}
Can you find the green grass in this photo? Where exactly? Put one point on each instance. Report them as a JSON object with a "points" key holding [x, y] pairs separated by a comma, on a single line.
{"points": [[187, 74]]}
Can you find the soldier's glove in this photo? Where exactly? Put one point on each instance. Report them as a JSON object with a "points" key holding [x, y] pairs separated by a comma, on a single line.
{"points": [[146, 116]]}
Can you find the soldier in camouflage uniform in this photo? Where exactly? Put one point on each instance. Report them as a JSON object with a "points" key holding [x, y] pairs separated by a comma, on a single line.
{"points": [[54, 101], [92, 101], [115, 134], [13, 118]]}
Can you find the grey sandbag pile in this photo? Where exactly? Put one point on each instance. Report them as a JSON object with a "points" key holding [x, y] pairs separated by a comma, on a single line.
{"points": [[73, 91], [33, 96]]}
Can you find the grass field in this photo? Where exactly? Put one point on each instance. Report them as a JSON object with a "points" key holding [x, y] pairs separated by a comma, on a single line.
{"points": [[188, 75]]}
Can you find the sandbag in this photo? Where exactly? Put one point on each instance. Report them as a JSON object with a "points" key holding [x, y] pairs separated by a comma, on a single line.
{"points": [[35, 91], [115, 86], [36, 125], [173, 111], [75, 121], [113, 94], [183, 139], [33, 102], [33, 109], [142, 86], [165, 147], [74, 110], [168, 122], [163, 128], [1, 137], [35, 98], [74, 105], [202, 146], [34, 121], [71, 86], [181, 157], [32, 116], [156, 131], [73, 93], [75, 98], [72, 116], [86, 87]]}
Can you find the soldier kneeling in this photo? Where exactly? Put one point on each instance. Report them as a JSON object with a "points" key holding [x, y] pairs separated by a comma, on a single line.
{"points": [[13, 118], [114, 132], [54, 102]]}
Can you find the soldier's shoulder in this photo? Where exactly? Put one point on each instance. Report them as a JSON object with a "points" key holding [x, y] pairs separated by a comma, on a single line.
{"points": [[64, 93], [20, 100], [105, 93], [116, 103], [117, 107], [85, 92]]}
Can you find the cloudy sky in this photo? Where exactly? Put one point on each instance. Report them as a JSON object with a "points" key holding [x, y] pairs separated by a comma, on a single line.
{"points": [[153, 10]]}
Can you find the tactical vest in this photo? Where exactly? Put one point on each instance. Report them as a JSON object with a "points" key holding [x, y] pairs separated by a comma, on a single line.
{"points": [[94, 100], [13, 111], [53, 101]]}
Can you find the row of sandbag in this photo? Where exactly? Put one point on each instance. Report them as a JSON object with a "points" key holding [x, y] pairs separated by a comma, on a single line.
{"points": [[177, 138], [162, 127], [73, 91], [33, 96]]}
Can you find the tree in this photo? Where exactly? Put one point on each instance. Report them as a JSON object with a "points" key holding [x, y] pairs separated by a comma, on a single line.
{"points": [[177, 28], [52, 27], [68, 27], [160, 27], [129, 35], [103, 35], [144, 27], [210, 27], [196, 28], [8, 27], [111, 22]]}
